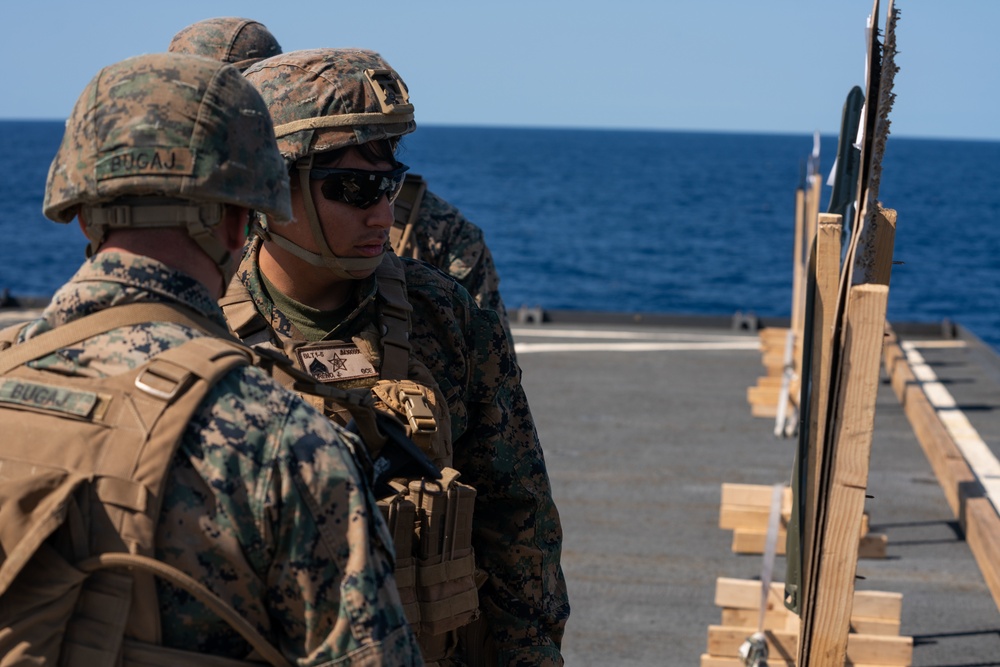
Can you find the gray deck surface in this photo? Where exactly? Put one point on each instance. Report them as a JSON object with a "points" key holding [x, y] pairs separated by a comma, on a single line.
{"points": [[638, 444]]}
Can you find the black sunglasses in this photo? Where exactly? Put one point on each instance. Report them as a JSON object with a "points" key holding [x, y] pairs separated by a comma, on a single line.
{"points": [[360, 187]]}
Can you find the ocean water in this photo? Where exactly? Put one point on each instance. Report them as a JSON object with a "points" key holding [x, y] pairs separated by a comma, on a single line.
{"points": [[632, 221]]}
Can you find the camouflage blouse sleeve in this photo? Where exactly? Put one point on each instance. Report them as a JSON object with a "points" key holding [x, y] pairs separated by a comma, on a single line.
{"points": [[459, 248], [518, 536], [288, 533]]}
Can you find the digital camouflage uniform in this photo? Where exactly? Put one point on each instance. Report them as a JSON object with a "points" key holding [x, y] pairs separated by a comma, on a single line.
{"points": [[262, 504], [326, 99], [445, 238], [517, 535]]}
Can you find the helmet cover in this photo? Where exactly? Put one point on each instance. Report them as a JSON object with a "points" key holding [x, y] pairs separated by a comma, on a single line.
{"points": [[170, 125], [238, 41], [324, 99]]}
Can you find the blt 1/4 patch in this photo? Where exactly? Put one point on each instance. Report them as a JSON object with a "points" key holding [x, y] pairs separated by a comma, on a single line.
{"points": [[334, 361]]}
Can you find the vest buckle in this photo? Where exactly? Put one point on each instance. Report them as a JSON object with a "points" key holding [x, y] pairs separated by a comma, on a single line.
{"points": [[418, 413]]}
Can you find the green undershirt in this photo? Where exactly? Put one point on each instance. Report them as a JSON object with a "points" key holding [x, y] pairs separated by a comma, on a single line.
{"points": [[314, 324]]}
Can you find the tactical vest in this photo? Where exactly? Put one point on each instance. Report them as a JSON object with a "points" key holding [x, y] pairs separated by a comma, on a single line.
{"points": [[84, 463], [430, 520], [406, 210]]}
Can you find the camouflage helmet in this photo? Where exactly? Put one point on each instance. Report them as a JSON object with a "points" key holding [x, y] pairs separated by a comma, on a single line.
{"points": [[240, 42], [168, 125], [324, 99], [321, 100]]}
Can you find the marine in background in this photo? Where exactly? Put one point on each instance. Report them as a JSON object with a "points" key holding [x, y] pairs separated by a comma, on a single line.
{"points": [[237, 41], [426, 227], [244, 488], [486, 540]]}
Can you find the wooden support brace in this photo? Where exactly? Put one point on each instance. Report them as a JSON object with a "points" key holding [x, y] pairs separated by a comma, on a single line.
{"points": [[724, 641], [978, 517], [828, 622], [745, 594]]}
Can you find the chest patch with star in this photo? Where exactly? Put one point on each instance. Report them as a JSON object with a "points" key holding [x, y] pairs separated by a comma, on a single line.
{"points": [[334, 361]]}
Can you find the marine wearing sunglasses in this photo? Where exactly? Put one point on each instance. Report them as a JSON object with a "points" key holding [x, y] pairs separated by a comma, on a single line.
{"points": [[360, 187]]}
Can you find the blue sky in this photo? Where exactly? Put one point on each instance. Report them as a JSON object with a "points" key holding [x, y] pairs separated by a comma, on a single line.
{"points": [[726, 65]]}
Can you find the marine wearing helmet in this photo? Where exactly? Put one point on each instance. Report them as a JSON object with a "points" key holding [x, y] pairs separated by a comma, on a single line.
{"points": [[170, 451], [326, 100], [131, 157], [322, 289], [426, 226]]}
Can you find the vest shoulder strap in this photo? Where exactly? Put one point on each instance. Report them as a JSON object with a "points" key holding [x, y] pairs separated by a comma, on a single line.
{"points": [[8, 335], [394, 313], [241, 313], [101, 322], [406, 208]]}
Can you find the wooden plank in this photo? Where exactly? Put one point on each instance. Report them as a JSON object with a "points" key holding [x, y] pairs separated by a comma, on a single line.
{"points": [[724, 641], [829, 621], [982, 532], [879, 649], [885, 239], [782, 619], [774, 359], [745, 594], [773, 335], [749, 496], [829, 241], [946, 460], [749, 541], [756, 495], [873, 545], [774, 619], [718, 661], [877, 604], [874, 626], [811, 230], [746, 518], [758, 410], [977, 515], [798, 274], [767, 395]]}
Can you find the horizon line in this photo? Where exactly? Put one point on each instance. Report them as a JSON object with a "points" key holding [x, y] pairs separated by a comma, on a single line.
{"points": [[610, 128]]}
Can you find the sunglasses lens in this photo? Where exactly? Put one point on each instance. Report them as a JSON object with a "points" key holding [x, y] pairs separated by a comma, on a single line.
{"points": [[359, 187]]}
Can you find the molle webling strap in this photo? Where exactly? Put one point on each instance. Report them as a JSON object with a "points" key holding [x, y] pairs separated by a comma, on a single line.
{"points": [[406, 208], [394, 313], [241, 313]]}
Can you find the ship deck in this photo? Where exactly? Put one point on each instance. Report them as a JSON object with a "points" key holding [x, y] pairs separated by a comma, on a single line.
{"points": [[642, 420]]}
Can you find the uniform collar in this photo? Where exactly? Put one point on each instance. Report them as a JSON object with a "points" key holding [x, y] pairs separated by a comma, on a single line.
{"points": [[117, 277], [249, 274]]}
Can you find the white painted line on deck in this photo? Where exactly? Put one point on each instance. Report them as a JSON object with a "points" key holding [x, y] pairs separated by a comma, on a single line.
{"points": [[981, 460], [690, 346], [943, 344], [527, 332]]}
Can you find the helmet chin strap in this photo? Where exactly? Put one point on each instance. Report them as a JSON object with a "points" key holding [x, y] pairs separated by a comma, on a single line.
{"points": [[339, 266], [198, 220]]}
